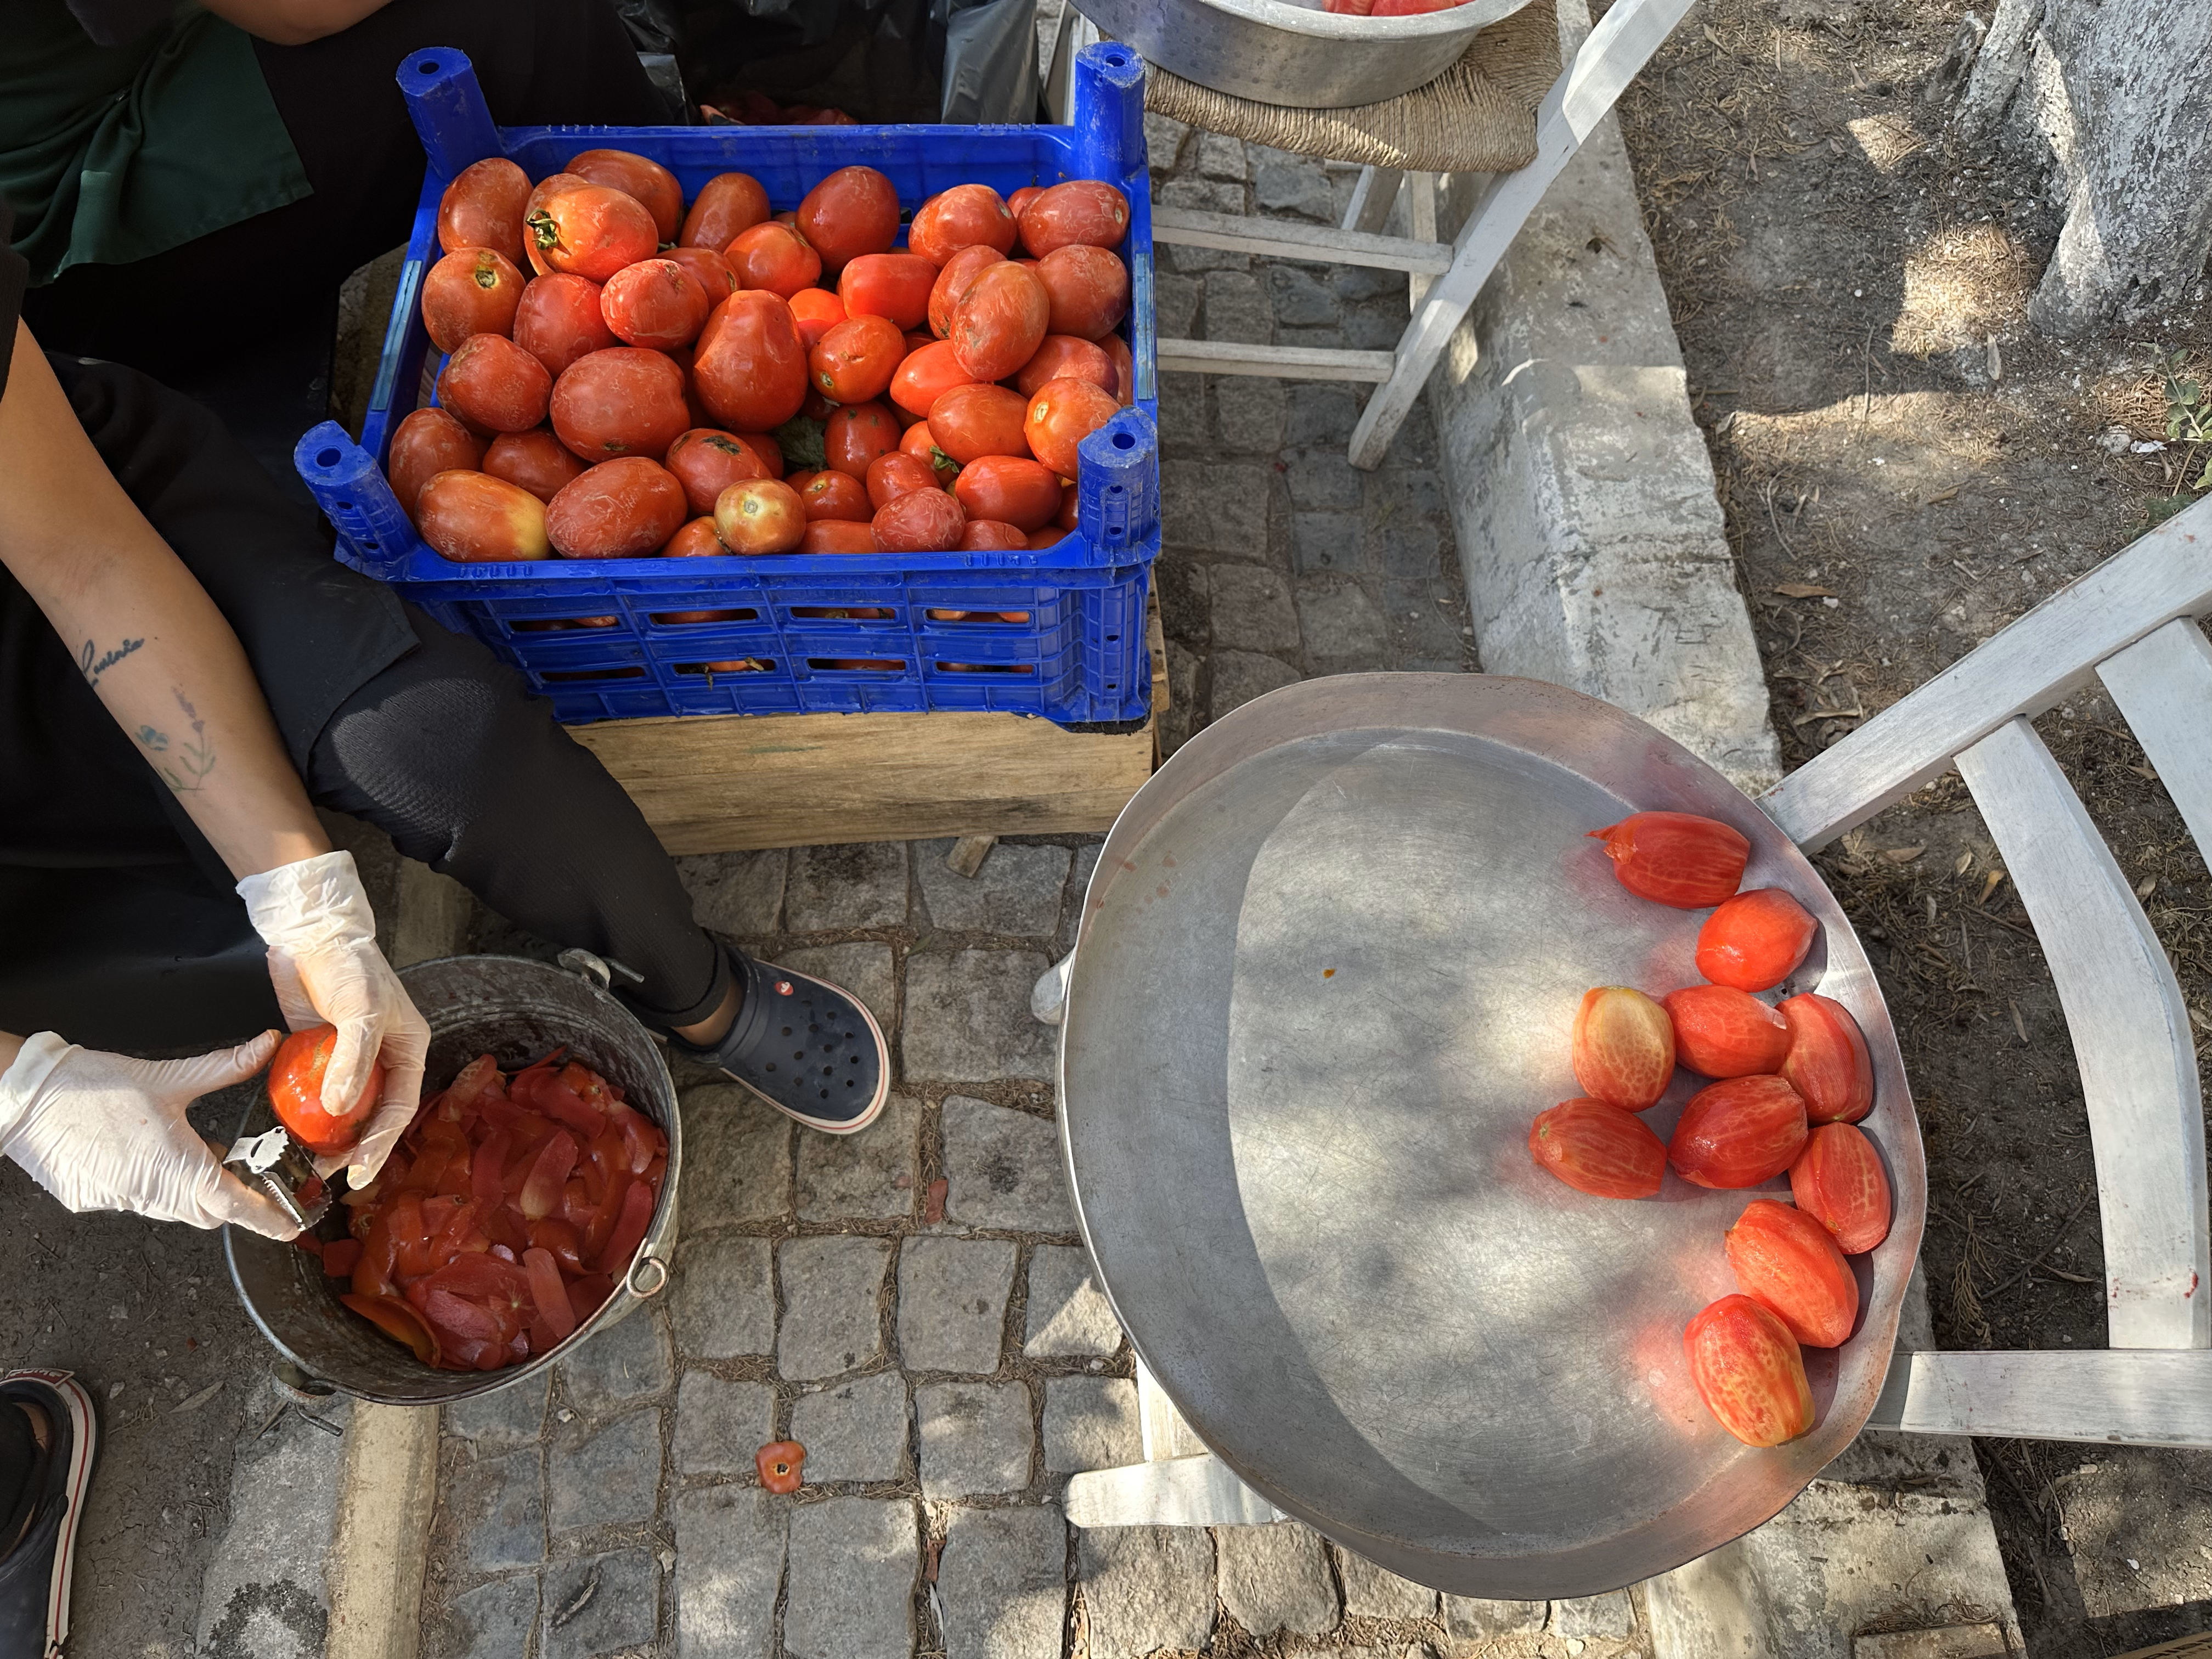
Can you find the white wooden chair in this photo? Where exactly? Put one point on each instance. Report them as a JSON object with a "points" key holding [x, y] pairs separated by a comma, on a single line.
{"points": [[2130, 624], [1444, 276]]}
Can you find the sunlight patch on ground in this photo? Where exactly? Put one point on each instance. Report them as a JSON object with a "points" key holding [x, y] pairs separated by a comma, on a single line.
{"points": [[1885, 140], [1965, 284]]}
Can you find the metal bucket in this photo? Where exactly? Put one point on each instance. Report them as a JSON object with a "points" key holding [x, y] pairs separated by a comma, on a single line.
{"points": [[1276, 51], [517, 1011]]}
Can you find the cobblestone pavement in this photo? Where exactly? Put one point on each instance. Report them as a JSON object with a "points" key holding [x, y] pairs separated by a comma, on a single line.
{"points": [[913, 1304]]}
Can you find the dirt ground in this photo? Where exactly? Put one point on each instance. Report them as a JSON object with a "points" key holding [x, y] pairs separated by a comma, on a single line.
{"points": [[1906, 467]]}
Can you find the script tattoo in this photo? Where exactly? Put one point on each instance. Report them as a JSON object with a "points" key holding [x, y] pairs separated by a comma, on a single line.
{"points": [[91, 666], [194, 759]]}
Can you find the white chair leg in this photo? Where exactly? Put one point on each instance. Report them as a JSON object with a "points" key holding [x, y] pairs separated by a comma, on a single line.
{"points": [[1618, 47], [1421, 225], [1049, 996], [1372, 198], [1166, 1489]]}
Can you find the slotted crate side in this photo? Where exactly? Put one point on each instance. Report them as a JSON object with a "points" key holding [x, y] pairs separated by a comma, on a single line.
{"points": [[1078, 657]]}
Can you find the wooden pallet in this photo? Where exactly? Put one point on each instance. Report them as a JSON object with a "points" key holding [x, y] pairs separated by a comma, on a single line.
{"points": [[732, 783]]}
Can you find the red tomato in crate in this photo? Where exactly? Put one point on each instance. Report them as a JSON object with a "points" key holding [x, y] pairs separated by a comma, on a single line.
{"points": [[1598, 1149], [696, 540], [625, 400], [1675, 858], [1125, 368], [893, 285], [853, 363], [966, 216], [1828, 1062], [295, 1089], [655, 303], [1051, 535], [483, 208], [428, 442], [775, 256], [727, 205], [855, 435], [853, 211], [492, 384], [829, 494], [1061, 415], [1009, 488], [816, 311], [1065, 355], [953, 282], [618, 509], [474, 290], [559, 322], [1089, 289], [926, 376], [1720, 1031], [1001, 321], [652, 185], [920, 443], [897, 474], [1749, 1371], [1021, 200], [770, 451], [992, 536], [838, 535], [1739, 1133], [1837, 1179], [761, 516], [750, 369], [706, 462], [1086, 211], [971, 422], [1070, 506], [468, 516], [1755, 940], [1788, 1262], [535, 460], [920, 521], [586, 229], [709, 269]]}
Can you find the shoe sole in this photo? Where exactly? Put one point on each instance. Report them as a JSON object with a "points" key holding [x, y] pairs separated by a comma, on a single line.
{"points": [[875, 1108], [84, 1438]]}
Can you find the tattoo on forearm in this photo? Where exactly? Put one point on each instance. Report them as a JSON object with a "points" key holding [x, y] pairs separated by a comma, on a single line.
{"points": [[91, 666], [193, 760]]}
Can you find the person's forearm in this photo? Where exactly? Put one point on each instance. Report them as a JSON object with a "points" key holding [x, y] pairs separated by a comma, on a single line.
{"points": [[10, 1046], [145, 635], [292, 22]]}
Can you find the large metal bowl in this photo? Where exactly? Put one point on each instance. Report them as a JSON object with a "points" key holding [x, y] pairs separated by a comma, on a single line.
{"points": [[1299, 56], [516, 1010], [1327, 967]]}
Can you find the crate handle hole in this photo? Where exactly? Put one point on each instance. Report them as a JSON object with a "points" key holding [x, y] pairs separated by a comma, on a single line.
{"points": [[699, 618], [986, 667], [326, 458], [857, 665], [427, 66], [1124, 440], [371, 546], [844, 613], [1113, 639], [565, 674], [736, 665]]}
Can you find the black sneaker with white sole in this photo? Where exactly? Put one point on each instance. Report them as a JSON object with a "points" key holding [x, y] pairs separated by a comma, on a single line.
{"points": [[48, 1473], [809, 1048]]}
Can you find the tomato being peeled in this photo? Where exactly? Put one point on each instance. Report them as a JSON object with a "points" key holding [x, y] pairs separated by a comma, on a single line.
{"points": [[618, 509], [295, 1089], [1755, 939], [853, 211], [853, 363], [1009, 490], [1749, 1371], [474, 290], [1088, 288], [1598, 1149], [727, 205], [626, 400], [706, 462], [428, 442], [483, 208], [468, 516], [588, 229], [1675, 858], [1827, 1062], [652, 185], [559, 322], [966, 216], [492, 384], [1739, 1133], [1061, 415], [750, 369], [1837, 1179], [535, 460], [893, 285], [1788, 1262], [853, 436], [1720, 1031], [970, 421], [1623, 1047], [656, 303]]}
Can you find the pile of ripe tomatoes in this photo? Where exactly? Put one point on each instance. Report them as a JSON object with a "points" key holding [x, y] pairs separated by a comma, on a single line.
{"points": [[507, 1214], [619, 364]]}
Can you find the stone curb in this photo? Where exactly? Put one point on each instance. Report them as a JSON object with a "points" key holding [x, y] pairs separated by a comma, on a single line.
{"points": [[1588, 521]]}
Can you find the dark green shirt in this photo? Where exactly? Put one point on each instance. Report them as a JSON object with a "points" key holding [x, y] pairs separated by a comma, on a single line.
{"points": [[111, 154]]}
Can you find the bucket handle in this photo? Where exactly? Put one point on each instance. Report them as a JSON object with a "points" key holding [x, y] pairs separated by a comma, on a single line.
{"points": [[659, 1277], [600, 971]]}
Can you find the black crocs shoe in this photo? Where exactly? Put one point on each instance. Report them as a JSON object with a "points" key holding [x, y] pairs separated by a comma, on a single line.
{"points": [[811, 1050], [38, 1518]]}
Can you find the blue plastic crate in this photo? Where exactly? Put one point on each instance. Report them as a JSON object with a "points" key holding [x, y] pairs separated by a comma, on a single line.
{"points": [[1078, 656]]}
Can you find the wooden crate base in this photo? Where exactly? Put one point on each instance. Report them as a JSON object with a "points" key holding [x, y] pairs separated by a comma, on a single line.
{"points": [[726, 784]]}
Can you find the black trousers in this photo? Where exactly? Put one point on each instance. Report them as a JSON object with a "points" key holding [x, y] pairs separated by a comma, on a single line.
{"points": [[387, 716], [269, 284]]}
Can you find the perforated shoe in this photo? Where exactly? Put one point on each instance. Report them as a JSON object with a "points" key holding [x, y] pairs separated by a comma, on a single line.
{"points": [[39, 1523], [809, 1048]]}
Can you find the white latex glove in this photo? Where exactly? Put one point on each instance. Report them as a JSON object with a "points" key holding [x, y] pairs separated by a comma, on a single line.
{"points": [[323, 962], [103, 1131]]}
